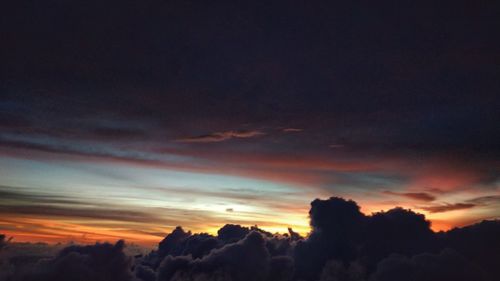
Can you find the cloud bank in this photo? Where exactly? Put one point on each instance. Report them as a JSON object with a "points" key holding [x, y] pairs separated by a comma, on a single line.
{"points": [[344, 244]]}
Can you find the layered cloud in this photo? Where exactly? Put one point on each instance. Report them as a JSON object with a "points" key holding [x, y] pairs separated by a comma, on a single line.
{"points": [[420, 196], [448, 207]]}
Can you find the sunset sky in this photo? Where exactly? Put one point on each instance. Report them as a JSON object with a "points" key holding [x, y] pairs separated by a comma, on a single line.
{"points": [[124, 123]]}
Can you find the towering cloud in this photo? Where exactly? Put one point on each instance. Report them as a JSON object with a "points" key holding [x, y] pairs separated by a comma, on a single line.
{"points": [[336, 229]]}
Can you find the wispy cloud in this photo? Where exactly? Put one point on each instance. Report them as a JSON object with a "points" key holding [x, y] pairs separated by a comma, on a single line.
{"points": [[420, 196], [222, 136], [336, 145], [485, 200], [292, 130], [448, 207]]}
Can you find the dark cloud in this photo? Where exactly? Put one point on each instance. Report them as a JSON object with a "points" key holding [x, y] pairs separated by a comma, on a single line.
{"points": [[391, 232], [281, 268], [100, 262], [336, 228], [232, 232], [420, 196], [448, 207], [3, 241], [168, 246], [181, 243], [342, 233], [145, 273], [479, 243], [246, 260], [222, 136], [334, 271], [188, 68], [447, 265]]}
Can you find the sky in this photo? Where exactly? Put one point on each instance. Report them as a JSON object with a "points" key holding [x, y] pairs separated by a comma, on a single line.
{"points": [[125, 119]]}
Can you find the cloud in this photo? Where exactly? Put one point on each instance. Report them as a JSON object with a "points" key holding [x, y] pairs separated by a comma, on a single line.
{"points": [[292, 130], [479, 243], [246, 260], [168, 245], [344, 244], [336, 145], [96, 212], [222, 136], [336, 228], [231, 232], [335, 270], [3, 242], [485, 200], [448, 207], [341, 232], [97, 262], [420, 196], [26, 214], [447, 265]]}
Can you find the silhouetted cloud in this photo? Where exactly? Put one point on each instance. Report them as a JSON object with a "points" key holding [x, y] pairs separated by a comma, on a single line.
{"points": [[420, 196], [447, 265], [336, 229], [391, 232], [3, 241], [222, 136], [169, 245], [479, 243], [100, 262], [231, 232], [246, 260]]}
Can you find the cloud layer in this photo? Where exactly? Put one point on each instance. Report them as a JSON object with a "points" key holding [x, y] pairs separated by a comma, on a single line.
{"points": [[344, 244]]}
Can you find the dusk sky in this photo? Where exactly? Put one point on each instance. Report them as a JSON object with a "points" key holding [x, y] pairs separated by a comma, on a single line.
{"points": [[125, 119]]}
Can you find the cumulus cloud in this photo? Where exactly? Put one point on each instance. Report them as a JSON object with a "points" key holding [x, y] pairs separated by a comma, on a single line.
{"points": [[232, 232], [222, 136], [246, 260], [336, 227]]}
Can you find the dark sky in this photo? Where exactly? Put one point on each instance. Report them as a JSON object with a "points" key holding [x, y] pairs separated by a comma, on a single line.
{"points": [[397, 101]]}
